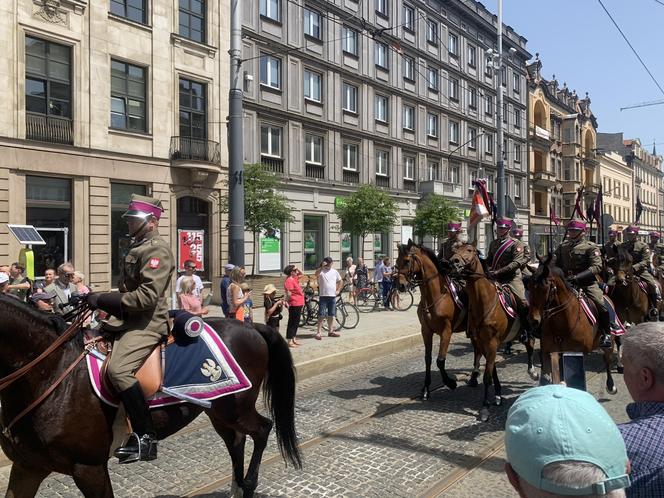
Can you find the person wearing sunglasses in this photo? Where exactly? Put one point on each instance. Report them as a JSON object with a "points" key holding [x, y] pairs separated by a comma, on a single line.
{"points": [[189, 271], [63, 288]]}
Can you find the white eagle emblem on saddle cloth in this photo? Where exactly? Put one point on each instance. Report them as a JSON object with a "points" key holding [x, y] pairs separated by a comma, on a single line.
{"points": [[195, 370]]}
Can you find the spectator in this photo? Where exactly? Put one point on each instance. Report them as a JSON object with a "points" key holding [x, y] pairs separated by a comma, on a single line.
{"points": [[234, 295], [63, 289], [19, 285], [49, 278], [187, 300], [329, 285], [273, 308], [643, 359], [190, 271], [387, 282], [79, 282], [248, 306], [225, 282], [4, 269], [361, 275], [4, 282], [43, 301], [349, 276], [294, 298], [559, 441], [378, 272]]}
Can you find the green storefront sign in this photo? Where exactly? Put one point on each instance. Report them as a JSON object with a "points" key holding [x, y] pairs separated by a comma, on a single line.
{"points": [[270, 245], [339, 202]]}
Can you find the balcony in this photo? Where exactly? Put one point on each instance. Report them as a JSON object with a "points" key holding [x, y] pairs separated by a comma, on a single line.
{"points": [[195, 153], [52, 129], [314, 171], [590, 160], [273, 164], [591, 189], [545, 179], [409, 185], [447, 189], [350, 176], [382, 181], [540, 136], [571, 186]]}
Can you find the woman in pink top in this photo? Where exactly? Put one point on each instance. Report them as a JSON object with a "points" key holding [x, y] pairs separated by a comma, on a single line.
{"points": [[188, 300], [295, 299]]}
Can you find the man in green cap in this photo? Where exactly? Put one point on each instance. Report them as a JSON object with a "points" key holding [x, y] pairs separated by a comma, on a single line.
{"points": [[139, 321]]}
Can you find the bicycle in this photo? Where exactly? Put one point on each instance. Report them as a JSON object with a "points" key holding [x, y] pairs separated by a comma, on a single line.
{"points": [[368, 299], [348, 316], [400, 300], [309, 314]]}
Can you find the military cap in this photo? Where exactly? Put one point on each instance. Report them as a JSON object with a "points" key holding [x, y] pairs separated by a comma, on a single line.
{"points": [[655, 235], [632, 229], [454, 227], [141, 206], [613, 233], [517, 232], [576, 225], [504, 223]]}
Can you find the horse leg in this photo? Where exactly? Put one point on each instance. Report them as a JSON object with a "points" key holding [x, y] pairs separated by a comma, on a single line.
{"points": [[258, 427], [93, 481], [545, 375], [449, 381], [497, 388], [235, 442], [472, 382], [530, 348], [427, 336], [610, 386], [24, 481], [619, 368], [488, 378]]}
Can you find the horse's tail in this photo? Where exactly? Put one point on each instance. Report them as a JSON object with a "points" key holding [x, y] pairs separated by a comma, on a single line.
{"points": [[279, 391]]}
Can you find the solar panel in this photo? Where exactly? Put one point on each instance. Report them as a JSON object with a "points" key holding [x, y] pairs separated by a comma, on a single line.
{"points": [[26, 234]]}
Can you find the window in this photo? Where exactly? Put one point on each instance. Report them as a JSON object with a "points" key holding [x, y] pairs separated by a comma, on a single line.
{"points": [[408, 168], [381, 55], [517, 118], [472, 97], [382, 8], [517, 188], [270, 71], [120, 241], [192, 19], [504, 149], [433, 170], [312, 85], [517, 153], [472, 56], [408, 117], [381, 108], [313, 145], [127, 97], [472, 138], [453, 132], [488, 105], [432, 32], [408, 18], [504, 112], [350, 98], [432, 79], [432, 125], [312, 24], [453, 45], [134, 10], [270, 9], [408, 68], [193, 109], [350, 157], [454, 174], [474, 174], [382, 163], [516, 82], [503, 76], [489, 144], [453, 84], [271, 141], [47, 78], [349, 40]]}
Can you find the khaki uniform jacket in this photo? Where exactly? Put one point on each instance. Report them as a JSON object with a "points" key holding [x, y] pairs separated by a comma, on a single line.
{"points": [[640, 255], [448, 247], [144, 279], [575, 256], [508, 266], [611, 249]]}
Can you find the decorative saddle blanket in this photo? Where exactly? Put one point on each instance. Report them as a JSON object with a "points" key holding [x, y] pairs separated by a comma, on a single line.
{"points": [[201, 368], [507, 300], [457, 296], [615, 325]]}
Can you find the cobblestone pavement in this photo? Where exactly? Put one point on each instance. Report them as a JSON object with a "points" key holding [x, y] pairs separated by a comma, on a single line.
{"points": [[370, 439]]}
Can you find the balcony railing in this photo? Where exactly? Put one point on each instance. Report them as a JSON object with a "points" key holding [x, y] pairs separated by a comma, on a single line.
{"points": [[314, 171], [350, 176], [409, 185], [273, 164], [382, 181], [541, 133], [194, 149], [49, 129]]}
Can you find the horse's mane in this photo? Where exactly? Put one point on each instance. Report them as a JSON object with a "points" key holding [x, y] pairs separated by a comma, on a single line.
{"points": [[539, 275], [434, 259], [26, 314], [624, 255]]}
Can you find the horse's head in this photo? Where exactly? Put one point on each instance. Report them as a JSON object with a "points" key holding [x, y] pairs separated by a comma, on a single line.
{"points": [[466, 261], [541, 286], [409, 264], [622, 266]]}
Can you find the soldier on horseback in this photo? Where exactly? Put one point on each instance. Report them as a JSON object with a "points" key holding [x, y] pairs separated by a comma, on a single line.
{"points": [[657, 254], [581, 261], [610, 252], [517, 233], [640, 253], [505, 260], [452, 242]]}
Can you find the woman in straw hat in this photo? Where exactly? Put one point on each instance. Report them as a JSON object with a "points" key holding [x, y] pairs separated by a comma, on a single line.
{"points": [[273, 307]]}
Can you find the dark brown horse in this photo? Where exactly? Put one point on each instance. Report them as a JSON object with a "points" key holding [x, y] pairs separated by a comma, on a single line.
{"points": [[437, 312], [564, 326], [631, 302], [488, 322], [70, 431]]}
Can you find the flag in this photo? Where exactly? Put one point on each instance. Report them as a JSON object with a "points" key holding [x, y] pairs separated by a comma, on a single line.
{"points": [[552, 215], [480, 207], [590, 213], [598, 206], [639, 210], [577, 205], [396, 46]]}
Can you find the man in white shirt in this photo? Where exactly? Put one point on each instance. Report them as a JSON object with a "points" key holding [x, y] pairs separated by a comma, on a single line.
{"points": [[329, 285], [189, 271]]}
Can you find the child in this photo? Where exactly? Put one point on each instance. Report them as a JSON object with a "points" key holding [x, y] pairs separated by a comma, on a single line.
{"points": [[188, 300], [248, 304], [273, 306]]}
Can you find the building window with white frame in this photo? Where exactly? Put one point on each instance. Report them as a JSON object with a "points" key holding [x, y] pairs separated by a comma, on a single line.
{"points": [[350, 157], [517, 188], [270, 71], [453, 84], [488, 140], [382, 163], [432, 79], [381, 55], [473, 177], [271, 141], [432, 31], [349, 41], [503, 76], [432, 125], [472, 97], [408, 68], [516, 82], [382, 8], [517, 153], [408, 18], [408, 117], [382, 107], [453, 132], [313, 149], [312, 85], [349, 98], [312, 26], [517, 118], [433, 170], [270, 9], [453, 45], [488, 105], [454, 174], [472, 138], [409, 168], [472, 55]]}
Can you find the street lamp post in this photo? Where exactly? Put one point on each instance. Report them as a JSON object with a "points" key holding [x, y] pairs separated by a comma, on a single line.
{"points": [[500, 163]]}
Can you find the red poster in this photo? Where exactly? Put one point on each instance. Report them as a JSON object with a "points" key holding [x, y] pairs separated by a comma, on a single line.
{"points": [[190, 246]]}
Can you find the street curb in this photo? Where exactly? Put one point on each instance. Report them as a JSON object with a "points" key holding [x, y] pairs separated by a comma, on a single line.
{"points": [[325, 364]]}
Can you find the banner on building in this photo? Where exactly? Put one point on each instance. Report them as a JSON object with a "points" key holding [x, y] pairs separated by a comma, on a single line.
{"points": [[270, 251], [309, 241], [345, 242], [191, 244], [406, 233]]}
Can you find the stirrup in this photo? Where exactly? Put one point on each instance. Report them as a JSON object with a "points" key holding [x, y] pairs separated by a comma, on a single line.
{"points": [[146, 449], [605, 340]]}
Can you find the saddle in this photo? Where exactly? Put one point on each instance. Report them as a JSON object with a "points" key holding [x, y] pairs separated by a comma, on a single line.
{"points": [[615, 325], [507, 299]]}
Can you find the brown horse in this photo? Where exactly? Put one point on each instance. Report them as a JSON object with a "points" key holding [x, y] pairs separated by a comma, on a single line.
{"points": [[70, 431], [632, 303], [437, 312], [489, 323], [564, 326]]}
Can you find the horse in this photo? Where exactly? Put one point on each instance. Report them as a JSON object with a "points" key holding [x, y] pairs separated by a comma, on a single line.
{"points": [[437, 312], [556, 309], [489, 323], [632, 303], [70, 430]]}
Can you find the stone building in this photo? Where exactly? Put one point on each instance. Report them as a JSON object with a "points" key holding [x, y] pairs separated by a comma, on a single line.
{"points": [[393, 93], [103, 99], [617, 187]]}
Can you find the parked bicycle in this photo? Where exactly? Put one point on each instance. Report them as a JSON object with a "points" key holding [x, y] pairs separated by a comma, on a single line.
{"points": [[370, 298], [347, 316]]}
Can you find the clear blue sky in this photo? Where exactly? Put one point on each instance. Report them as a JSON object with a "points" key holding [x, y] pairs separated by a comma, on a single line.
{"points": [[578, 43]]}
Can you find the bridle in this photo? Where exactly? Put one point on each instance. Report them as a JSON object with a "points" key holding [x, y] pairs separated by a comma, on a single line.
{"points": [[411, 274]]}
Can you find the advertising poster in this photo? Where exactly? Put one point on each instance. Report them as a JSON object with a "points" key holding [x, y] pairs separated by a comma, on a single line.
{"points": [[406, 233], [270, 251], [191, 246], [378, 243], [309, 241], [345, 242]]}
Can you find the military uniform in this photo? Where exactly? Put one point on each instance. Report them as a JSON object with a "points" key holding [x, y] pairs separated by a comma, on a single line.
{"points": [[640, 253], [658, 259], [506, 258], [611, 249], [448, 247]]}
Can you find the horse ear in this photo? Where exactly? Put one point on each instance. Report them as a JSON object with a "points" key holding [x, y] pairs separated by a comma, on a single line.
{"points": [[474, 243], [410, 242], [538, 257]]}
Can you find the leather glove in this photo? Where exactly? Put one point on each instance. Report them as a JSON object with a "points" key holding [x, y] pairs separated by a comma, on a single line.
{"points": [[492, 274], [91, 299], [110, 302]]}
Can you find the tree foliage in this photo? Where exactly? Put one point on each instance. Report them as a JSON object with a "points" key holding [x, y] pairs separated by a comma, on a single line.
{"points": [[367, 210], [433, 214]]}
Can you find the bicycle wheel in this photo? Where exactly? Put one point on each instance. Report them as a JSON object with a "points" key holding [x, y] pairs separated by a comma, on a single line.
{"points": [[352, 315], [340, 316], [401, 301], [365, 300], [304, 316], [312, 317]]}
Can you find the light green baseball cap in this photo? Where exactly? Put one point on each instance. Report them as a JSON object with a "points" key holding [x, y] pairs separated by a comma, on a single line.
{"points": [[555, 423]]}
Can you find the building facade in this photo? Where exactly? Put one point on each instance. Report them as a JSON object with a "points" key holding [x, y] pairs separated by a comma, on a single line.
{"points": [[562, 154], [617, 187], [106, 99], [396, 93]]}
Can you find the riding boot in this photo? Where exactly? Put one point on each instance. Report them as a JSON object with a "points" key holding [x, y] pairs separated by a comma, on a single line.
{"points": [[525, 333], [142, 443], [653, 313], [604, 329]]}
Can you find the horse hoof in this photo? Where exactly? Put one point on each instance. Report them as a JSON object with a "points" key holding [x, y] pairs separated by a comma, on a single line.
{"points": [[472, 382], [424, 395], [498, 401], [620, 369], [450, 382], [612, 389], [484, 414], [534, 374]]}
